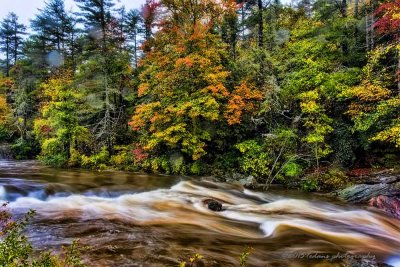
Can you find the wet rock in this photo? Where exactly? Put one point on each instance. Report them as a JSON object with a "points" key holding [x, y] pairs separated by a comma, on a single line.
{"points": [[364, 263], [213, 205], [390, 205], [233, 177], [238, 176], [249, 182], [5, 152], [378, 178], [362, 193]]}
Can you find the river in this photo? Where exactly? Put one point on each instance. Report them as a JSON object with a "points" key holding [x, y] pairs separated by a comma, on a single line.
{"points": [[130, 219]]}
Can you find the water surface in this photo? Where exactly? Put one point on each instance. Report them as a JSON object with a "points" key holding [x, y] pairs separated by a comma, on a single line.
{"points": [[131, 219]]}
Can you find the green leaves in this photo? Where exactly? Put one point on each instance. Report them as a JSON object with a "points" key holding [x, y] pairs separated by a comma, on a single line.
{"points": [[17, 251], [58, 129]]}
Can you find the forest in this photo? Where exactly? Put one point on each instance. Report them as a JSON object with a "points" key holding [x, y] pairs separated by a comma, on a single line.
{"points": [[293, 93]]}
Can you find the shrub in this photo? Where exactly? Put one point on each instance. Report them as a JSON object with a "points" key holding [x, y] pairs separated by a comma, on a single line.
{"points": [[255, 161], [75, 158], [333, 179], [17, 251], [196, 168], [97, 161], [310, 184], [24, 149]]}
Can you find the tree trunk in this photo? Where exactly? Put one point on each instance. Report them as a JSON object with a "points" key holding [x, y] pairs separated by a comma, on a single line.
{"points": [[370, 19], [260, 25], [7, 57], [398, 69], [261, 41], [344, 8], [135, 50], [15, 46], [356, 6]]}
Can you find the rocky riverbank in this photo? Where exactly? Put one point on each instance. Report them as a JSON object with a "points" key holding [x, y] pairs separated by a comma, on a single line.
{"points": [[380, 190]]}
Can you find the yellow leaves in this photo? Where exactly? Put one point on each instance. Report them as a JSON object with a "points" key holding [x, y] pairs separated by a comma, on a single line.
{"points": [[309, 103], [173, 134], [309, 95], [309, 107], [391, 135], [217, 75], [4, 109], [368, 92], [365, 96]]}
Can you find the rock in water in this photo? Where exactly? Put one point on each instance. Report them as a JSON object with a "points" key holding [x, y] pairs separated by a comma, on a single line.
{"points": [[390, 205], [249, 182], [362, 193], [213, 204]]}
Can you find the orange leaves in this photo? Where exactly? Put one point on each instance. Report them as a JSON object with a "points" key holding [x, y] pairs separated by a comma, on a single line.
{"points": [[243, 99], [184, 81], [234, 110], [6, 83], [200, 31], [218, 90], [143, 114], [143, 88], [184, 62]]}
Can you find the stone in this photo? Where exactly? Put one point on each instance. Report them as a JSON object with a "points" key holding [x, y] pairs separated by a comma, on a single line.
{"points": [[213, 205], [249, 182], [362, 193], [390, 205]]}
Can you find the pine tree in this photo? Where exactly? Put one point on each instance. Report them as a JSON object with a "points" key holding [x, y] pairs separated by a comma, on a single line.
{"points": [[11, 39], [104, 73], [57, 31], [133, 28]]}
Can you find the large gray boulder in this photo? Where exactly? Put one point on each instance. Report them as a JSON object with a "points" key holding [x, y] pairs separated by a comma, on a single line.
{"points": [[362, 193]]}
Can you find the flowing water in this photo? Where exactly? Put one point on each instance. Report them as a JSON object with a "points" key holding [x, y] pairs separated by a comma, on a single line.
{"points": [[132, 219]]}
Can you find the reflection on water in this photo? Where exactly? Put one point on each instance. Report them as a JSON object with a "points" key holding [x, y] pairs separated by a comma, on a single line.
{"points": [[140, 220]]}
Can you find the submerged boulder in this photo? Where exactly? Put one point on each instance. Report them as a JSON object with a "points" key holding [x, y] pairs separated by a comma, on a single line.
{"points": [[363, 192], [213, 205], [390, 205], [381, 191], [249, 182]]}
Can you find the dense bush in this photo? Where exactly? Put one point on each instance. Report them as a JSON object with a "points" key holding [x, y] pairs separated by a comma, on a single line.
{"points": [[17, 251]]}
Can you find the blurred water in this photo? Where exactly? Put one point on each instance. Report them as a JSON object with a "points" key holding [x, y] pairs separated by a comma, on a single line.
{"points": [[148, 220]]}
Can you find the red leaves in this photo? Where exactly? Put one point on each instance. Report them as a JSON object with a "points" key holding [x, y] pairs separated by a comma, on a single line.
{"points": [[46, 129], [149, 11], [139, 154], [359, 172], [388, 19]]}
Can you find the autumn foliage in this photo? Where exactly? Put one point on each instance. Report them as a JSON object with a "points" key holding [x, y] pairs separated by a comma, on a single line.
{"points": [[184, 82], [388, 21]]}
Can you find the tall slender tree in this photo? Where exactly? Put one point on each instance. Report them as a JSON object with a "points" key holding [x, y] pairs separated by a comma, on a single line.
{"points": [[11, 39], [104, 55]]}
